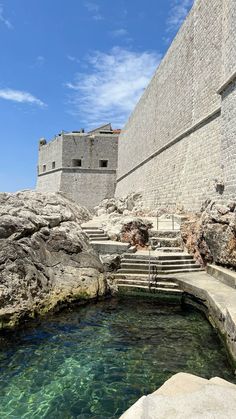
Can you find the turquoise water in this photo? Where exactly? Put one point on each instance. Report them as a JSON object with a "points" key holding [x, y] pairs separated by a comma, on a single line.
{"points": [[95, 361]]}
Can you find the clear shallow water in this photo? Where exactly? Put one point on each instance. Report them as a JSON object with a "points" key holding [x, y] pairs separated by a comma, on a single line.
{"points": [[95, 361]]}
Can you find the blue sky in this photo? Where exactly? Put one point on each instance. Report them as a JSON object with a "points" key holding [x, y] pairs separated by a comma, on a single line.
{"points": [[71, 64]]}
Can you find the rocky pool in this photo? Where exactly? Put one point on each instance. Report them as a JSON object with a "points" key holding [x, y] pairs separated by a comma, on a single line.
{"points": [[97, 360]]}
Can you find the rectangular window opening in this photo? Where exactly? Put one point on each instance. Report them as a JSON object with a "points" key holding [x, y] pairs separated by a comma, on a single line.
{"points": [[76, 163], [53, 165], [44, 168], [103, 163]]}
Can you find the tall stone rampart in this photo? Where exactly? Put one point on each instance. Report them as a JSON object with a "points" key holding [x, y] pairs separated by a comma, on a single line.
{"points": [[174, 149]]}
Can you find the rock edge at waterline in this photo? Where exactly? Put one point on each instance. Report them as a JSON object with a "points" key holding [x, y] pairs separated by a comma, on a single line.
{"points": [[45, 257], [187, 396]]}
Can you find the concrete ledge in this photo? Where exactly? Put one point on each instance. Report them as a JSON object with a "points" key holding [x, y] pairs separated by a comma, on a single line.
{"points": [[224, 275], [110, 247], [224, 86], [187, 396], [78, 170], [217, 300]]}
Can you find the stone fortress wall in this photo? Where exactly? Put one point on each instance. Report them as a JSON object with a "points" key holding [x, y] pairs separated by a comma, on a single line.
{"points": [[81, 165], [179, 143]]}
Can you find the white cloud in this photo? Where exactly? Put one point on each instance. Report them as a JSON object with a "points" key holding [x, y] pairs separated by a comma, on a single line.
{"points": [[178, 12], [94, 9], [73, 59], [20, 97], [40, 59], [3, 20], [120, 32], [109, 92], [39, 62]]}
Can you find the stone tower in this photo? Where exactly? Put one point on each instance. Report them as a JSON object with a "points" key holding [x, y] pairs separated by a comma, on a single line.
{"points": [[81, 165]]}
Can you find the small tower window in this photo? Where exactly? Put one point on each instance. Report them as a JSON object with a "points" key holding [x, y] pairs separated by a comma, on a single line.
{"points": [[103, 163], [53, 165], [44, 168], [76, 162]]}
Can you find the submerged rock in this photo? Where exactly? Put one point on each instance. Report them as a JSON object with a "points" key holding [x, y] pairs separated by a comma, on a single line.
{"points": [[45, 257]]}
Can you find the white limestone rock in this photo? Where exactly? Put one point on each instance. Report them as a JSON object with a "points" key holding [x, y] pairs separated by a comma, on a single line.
{"points": [[126, 228], [132, 203], [186, 396], [45, 257]]}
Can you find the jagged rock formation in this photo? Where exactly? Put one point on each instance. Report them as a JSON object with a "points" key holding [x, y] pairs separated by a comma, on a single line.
{"points": [[211, 236], [111, 263], [121, 219], [45, 257], [135, 232], [130, 204]]}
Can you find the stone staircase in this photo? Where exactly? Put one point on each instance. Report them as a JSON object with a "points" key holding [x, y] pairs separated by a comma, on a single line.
{"points": [[95, 233], [102, 243], [164, 286], [165, 240], [162, 263], [152, 271]]}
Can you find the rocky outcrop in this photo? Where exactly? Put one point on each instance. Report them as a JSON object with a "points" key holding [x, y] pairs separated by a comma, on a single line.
{"points": [[136, 232], [45, 258], [111, 262], [131, 204], [187, 396], [211, 235], [126, 229]]}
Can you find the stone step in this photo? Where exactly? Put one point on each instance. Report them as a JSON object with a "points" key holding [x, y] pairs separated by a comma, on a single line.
{"points": [[175, 256], [169, 249], [166, 233], [158, 268], [90, 227], [100, 238], [147, 289], [158, 284], [110, 247], [97, 235], [165, 241], [157, 257], [141, 264], [144, 277], [180, 261], [157, 261], [171, 270], [98, 231]]}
